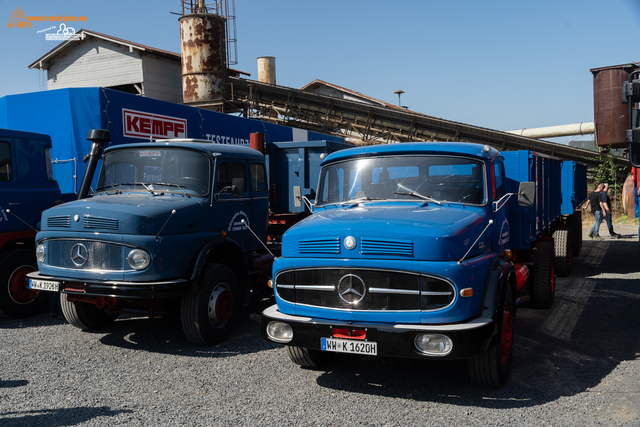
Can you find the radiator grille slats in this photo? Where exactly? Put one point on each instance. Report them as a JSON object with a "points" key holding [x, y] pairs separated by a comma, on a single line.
{"points": [[383, 246], [322, 245], [364, 289], [94, 222], [63, 221]]}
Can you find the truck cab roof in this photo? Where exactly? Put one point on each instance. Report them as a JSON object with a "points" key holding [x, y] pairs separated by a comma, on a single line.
{"points": [[452, 148], [205, 146]]}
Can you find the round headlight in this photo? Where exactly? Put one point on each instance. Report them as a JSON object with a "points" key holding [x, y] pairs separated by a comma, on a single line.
{"points": [[41, 252], [138, 259], [279, 332], [433, 344]]}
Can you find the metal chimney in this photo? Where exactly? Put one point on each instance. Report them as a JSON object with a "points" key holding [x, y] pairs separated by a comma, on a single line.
{"points": [[267, 69]]}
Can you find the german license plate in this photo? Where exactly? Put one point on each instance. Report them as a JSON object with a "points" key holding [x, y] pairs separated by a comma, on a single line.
{"points": [[349, 346], [44, 285]]}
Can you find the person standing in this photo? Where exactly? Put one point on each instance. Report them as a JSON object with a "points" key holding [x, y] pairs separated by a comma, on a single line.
{"points": [[597, 209], [606, 201]]}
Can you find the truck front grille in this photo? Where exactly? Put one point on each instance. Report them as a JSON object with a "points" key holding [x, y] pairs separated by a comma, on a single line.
{"points": [[87, 255], [364, 289]]}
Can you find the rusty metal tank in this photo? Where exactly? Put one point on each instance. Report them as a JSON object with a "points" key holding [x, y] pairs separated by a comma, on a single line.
{"points": [[610, 114], [267, 69], [204, 72]]}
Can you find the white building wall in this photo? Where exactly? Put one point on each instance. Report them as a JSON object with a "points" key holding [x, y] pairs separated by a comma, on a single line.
{"points": [[162, 78], [95, 62]]}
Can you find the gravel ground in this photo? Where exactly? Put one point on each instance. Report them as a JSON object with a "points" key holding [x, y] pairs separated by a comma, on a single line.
{"points": [[574, 365]]}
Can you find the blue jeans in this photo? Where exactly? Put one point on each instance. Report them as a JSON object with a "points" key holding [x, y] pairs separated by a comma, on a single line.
{"points": [[595, 229], [609, 223]]}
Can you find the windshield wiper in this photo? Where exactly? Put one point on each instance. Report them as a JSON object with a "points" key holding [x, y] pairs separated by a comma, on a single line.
{"points": [[110, 185], [359, 199], [173, 185], [414, 194]]}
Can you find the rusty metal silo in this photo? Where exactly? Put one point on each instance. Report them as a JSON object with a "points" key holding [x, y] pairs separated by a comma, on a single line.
{"points": [[610, 114], [204, 72]]}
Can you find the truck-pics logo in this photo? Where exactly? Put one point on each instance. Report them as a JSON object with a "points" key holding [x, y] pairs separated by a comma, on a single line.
{"points": [[137, 124], [18, 19]]}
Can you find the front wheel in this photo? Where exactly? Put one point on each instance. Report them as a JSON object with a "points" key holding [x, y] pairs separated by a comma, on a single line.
{"points": [[84, 315], [308, 358], [209, 314], [491, 369], [16, 299]]}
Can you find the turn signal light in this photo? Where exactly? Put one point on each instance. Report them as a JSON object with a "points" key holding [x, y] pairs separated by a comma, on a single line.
{"points": [[466, 292]]}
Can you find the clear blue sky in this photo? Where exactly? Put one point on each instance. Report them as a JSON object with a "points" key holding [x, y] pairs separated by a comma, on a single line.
{"points": [[503, 64]]}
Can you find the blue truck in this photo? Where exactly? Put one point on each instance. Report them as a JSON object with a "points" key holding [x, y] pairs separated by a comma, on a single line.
{"points": [[174, 226], [27, 187], [423, 250]]}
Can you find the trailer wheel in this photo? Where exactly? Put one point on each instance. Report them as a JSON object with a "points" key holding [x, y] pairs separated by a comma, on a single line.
{"points": [[576, 232], [544, 277], [16, 299], [308, 358], [209, 314], [563, 247], [84, 315], [491, 369]]}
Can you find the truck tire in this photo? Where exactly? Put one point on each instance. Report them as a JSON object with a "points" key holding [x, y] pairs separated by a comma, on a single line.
{"points": [[84, 315], [576, 232], [16, 299], [491, 369], [308, 358], [209, 314], [563, 248], [544, 277]]}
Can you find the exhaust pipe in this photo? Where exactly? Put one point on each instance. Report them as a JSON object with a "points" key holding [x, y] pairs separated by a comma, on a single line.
{"points": [[98, 137]]}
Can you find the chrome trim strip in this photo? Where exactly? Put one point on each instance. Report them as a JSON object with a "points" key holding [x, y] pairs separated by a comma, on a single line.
{"points": [[315, 287], [393, 291], [285, 286], [436, 293]]}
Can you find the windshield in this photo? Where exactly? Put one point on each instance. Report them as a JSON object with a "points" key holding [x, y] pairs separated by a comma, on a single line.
{"points": [[156, 170], [421, 178]]}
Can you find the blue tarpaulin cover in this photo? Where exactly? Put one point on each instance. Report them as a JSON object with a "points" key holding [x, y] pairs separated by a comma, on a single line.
{"points": [[67, 115]]}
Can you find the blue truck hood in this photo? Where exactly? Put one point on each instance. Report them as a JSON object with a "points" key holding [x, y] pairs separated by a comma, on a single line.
{"points": [[398, 230], [132, 213]]}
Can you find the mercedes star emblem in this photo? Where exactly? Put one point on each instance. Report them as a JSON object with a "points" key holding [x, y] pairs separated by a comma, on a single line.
{"points": [[351, 289], [79, 254]]}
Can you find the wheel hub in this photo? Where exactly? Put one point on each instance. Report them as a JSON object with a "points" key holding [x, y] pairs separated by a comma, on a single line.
{"points": [[18, 285], [220, 305]]}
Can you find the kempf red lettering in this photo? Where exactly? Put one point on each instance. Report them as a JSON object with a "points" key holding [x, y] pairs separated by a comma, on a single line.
{"points": [[138, 124]]}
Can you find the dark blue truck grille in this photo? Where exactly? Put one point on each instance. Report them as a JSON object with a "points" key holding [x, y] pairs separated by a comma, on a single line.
{"points": [[364, 289]]}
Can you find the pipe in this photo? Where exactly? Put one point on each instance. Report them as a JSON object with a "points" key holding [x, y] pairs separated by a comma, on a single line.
{"points": [[555, 131], [98, 137]]}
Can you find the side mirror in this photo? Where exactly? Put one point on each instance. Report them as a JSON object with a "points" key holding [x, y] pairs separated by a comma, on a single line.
{"points": [[238, 187], [527, 194]]}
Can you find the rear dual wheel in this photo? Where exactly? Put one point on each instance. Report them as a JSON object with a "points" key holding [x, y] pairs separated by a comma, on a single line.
{"points": [[563, 248], [544, 276]]}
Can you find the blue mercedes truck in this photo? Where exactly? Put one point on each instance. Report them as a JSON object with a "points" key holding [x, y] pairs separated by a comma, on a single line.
{"points": [[173, 227], [420, 250]]}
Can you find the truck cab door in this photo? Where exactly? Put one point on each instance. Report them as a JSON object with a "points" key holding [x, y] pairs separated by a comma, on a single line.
{"points": [[500, 231], [233, 201]]}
